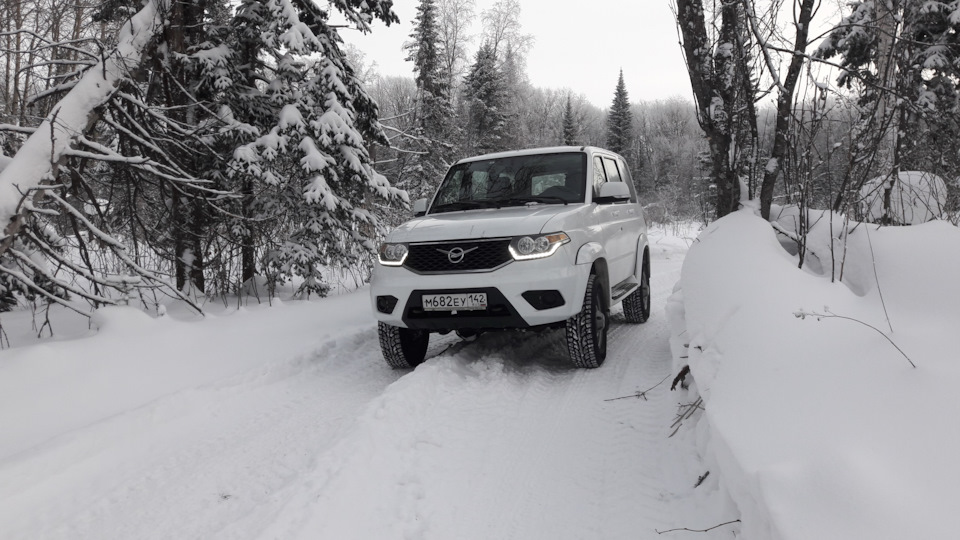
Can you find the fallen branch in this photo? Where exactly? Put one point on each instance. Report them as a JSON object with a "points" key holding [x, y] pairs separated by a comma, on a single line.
{"points": [[638, 394], [698, 530], [830, 315], [686, 411]]}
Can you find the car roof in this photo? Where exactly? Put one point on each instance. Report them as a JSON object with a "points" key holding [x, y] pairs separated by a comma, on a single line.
{"points": [[535, 151]]}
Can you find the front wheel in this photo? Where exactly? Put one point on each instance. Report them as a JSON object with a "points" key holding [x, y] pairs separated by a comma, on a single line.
{"points": [[403, 348], [587, 331], [636, 306]]}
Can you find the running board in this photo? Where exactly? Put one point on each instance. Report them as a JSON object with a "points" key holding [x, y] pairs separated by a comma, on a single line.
{"points": [[623, 289]]}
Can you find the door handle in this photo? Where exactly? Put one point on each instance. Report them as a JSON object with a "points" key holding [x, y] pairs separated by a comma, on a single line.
{"points": [[615, 213]]}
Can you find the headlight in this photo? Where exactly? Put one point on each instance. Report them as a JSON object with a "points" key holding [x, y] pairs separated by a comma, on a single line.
{"points": [[537, 247], [393, 254]]}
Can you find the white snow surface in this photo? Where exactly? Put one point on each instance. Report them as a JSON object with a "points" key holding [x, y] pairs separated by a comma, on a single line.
{"points": [[285, 422], [916, 197], [818, 426]]}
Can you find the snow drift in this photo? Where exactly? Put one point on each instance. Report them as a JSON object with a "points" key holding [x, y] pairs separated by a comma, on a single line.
{"points": [[916, 197], [818, 425]]}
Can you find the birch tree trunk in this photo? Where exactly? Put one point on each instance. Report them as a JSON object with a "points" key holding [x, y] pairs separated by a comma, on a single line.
{"points": [[711, 76]]}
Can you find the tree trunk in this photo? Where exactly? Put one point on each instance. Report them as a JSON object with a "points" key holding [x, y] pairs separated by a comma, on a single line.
{"points": [[785, 109], [713, 93]]}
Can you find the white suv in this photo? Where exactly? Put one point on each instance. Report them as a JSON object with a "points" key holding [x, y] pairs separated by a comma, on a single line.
{"points": [[548, 237]]}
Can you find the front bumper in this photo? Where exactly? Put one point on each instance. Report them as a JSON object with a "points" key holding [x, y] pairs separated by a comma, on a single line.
{"points": [[507, 304]]}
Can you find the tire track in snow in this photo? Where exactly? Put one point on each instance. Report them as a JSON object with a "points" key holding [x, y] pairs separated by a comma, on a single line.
{"points": [[200, 459], [493, 439], [502, 440]]}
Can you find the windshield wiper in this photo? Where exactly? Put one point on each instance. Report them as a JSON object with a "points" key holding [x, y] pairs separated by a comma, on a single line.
{"points": [[513, 201], [462, 205]]}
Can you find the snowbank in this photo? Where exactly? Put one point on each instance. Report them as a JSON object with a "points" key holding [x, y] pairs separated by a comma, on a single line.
{"points": [[85, 381], [917, 197], [818, 426]]}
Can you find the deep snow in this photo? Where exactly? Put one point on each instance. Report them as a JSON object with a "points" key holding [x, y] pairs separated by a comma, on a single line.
{"points": [[819, 426], [284, 422]]}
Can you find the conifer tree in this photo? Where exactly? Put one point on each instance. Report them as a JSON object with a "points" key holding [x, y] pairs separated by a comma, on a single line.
{"points": [[486, 102], [433, 109], [308, 154], [569, 125], [620, 120]]}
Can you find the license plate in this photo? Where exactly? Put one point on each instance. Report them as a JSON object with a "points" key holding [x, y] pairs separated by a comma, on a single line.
{"points": [[454, 302]]}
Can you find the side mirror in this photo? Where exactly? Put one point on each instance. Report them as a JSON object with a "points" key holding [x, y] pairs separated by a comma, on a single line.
{"points": [[419, 207], [612, 192]]}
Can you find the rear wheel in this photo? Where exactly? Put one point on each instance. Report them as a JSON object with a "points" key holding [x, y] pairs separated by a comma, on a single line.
{"points": [[403, 347], [587, 331], [636, 306]]}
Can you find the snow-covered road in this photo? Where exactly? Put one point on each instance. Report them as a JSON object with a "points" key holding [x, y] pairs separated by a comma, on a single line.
{"points": [[496, 438]]}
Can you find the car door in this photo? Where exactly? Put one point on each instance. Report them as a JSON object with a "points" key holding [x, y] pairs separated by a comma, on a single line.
{"points": [[612, 219], [634, 226]]}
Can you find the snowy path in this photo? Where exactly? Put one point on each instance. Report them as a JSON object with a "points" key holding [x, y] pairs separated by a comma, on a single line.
{"points": [[492, 439]]}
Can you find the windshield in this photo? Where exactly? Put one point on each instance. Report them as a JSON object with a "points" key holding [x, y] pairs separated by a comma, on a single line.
{"points": [[513, 181]]}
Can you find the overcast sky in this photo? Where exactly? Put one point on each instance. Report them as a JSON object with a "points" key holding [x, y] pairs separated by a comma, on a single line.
{"points": [[578, 45]]}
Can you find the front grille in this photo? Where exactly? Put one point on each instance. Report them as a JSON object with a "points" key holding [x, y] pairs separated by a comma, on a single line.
{"points": [[478, 256]]}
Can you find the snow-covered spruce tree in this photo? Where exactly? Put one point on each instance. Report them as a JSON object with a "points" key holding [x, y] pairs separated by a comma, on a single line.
{"points": [[620, 120], [433, 110], [312, 176], [516, 105], [570, 131], [486, 101], [903, 58]]}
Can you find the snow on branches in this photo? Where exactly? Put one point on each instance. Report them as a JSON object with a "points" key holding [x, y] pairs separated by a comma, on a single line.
{"points": [[249, 135]]}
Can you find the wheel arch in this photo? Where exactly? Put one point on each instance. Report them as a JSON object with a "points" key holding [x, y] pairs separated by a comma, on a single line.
{"points": [[600, 269]]}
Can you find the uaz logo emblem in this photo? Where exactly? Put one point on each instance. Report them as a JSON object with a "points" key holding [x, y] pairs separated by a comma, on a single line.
{"points": [[455, 255]]}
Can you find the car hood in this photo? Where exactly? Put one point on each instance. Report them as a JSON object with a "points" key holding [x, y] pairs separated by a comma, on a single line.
{"points": [[482, 223]]}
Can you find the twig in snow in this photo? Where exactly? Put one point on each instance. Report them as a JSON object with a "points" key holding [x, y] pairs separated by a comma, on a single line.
{"points": [[686, 411], [4, 338], [831, 315], [638, 394], [698, 530], [873, 257], [680, 377], [701, 479]]}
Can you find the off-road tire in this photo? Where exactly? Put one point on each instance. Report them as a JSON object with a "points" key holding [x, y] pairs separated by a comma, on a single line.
{"points": [[587, 331], [403, 348], [636, 306]]}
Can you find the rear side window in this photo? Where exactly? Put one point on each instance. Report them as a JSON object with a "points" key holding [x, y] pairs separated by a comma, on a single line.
{"points": [[613, 173], [599, 177]]}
